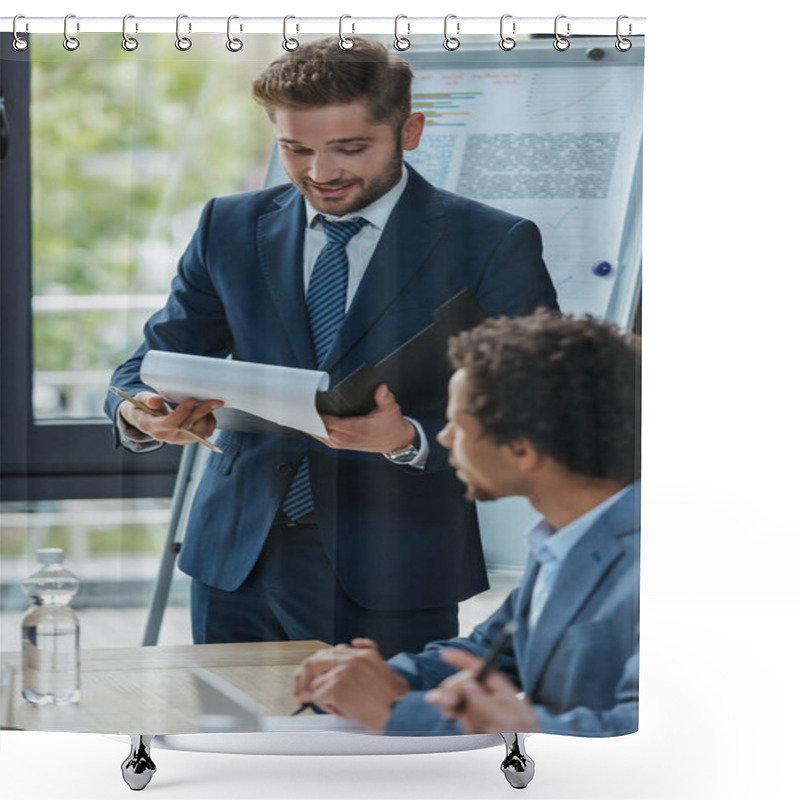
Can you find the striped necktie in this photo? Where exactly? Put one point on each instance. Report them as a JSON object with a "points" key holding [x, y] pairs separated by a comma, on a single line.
{"points": [[325, 302]]}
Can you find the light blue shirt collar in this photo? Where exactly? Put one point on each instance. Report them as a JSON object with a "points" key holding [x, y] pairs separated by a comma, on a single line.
{"points": [[376, 213], [558, 543]]}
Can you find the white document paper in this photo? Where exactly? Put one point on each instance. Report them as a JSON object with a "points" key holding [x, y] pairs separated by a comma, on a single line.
{"points": [[284, 395], [226, 706], [310, 722]]}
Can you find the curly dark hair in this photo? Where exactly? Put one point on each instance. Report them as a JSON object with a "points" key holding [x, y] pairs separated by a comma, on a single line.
{"points": [[570, 386], [320, 73]]}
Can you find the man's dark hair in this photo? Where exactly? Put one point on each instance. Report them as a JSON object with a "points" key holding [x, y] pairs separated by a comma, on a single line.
{"points": [[320, 73], [571, 387]]}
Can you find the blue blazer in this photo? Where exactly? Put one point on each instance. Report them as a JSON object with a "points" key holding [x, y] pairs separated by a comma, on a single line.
{"points": [[398, 537], [580, 667]]}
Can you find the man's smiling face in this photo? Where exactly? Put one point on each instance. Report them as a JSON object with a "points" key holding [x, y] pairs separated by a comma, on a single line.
{"points": [[339, 158]]}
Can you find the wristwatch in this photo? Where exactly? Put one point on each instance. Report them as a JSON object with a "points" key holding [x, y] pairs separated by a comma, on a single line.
{"points": [[405, 455]]}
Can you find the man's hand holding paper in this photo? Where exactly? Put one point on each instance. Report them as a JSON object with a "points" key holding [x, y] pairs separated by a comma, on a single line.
{"points": [[165, 424]]}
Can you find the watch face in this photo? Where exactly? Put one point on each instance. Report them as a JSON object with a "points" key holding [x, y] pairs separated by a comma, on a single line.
{"points": [[404, 455]]}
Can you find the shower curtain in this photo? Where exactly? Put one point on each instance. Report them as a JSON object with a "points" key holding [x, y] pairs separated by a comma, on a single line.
{"points": [[160, 200]]}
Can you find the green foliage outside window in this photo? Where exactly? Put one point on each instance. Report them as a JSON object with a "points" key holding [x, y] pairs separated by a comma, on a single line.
{"points": [[126, 149]]}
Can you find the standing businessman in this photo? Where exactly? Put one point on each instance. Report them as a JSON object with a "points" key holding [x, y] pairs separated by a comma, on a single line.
{"points": [[297, 538]]}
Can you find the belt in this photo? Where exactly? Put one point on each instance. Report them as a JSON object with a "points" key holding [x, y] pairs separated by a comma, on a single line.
{"points": [[283, 519]]}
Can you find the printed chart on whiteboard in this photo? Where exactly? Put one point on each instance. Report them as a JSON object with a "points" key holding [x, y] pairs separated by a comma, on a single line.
{"points": [[563, 152]]}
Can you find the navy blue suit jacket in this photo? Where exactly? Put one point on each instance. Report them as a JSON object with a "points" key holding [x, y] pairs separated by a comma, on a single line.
{"points": [[580, 665], [398, 537]]}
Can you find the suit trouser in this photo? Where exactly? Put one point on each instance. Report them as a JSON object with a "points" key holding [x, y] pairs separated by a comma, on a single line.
{"points": [[293, 593]]}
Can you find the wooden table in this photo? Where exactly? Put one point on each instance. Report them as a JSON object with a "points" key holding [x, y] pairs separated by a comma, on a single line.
{"points": [[151, 689], [145, 691]]}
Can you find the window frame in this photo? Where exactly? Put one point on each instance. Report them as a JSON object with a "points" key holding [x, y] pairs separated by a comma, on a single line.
{"points": [[48, 459]]}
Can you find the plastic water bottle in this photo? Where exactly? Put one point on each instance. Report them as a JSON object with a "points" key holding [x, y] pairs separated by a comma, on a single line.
{"points": [[50, 633]]}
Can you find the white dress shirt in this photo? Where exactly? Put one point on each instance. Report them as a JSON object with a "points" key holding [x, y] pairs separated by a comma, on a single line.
{"points": [[360, 250], [361, 247]]}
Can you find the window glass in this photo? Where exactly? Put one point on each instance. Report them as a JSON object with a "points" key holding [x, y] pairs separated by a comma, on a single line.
{"points": [[125, 150], [113, 547]]}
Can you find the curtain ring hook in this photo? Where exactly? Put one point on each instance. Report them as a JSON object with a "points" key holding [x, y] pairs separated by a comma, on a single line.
{"points": [[289, 44], [129, 43], [401, 42], [561, 44], [507, 42], [183, 43], [344, 42], [70, 42], [623, 45], [451, 42], [18, 44], [234, 45]]}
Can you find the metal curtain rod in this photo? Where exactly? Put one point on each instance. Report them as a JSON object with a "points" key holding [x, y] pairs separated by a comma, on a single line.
{"points": [[349, 25]]}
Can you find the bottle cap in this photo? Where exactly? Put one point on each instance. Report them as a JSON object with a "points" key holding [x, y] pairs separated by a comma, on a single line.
{"points": [[50, 555]]}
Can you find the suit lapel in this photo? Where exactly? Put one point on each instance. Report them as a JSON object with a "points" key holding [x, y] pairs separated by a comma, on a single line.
{"points": [[281, 231], [583, 570], [522, 637], [413, 228]]}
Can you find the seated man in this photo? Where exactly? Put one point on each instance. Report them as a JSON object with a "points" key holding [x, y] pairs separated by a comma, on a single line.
{"points": [[545, 407]]}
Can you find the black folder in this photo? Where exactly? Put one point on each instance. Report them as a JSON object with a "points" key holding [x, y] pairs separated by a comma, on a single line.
{"points": [[417, 373]]}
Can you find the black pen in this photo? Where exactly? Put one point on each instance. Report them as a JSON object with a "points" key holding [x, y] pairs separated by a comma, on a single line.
{"points": [[500, 641]]}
